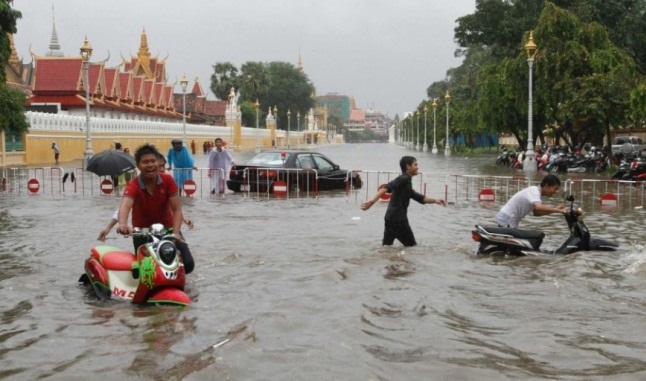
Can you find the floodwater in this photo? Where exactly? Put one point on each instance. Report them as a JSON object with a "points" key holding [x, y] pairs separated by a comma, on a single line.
{"points": [[301, 289]]}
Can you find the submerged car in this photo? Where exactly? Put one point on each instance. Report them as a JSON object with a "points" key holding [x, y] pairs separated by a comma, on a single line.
{"points": [[293, 171]]}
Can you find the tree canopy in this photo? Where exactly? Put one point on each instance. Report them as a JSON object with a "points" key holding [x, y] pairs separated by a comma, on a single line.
{"points": [[275, 85], [12, 102], [588, 73]]}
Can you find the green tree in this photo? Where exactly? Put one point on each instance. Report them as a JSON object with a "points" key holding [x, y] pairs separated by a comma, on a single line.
{"points": [[12, 110], [224, 77], [638, 105], [12, 102], [290, 89], [274, 84], [583, 80], [254, 81]]}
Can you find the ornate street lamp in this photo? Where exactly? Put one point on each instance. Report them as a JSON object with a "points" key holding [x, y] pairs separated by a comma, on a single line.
{"points": [[529, 164], [298, 122], [257, 105], [417, 145], [447, 148], [232, 115], [425, 147], [289, 124], [434, 149], [183, 84], [86, 53], [276, 120]]}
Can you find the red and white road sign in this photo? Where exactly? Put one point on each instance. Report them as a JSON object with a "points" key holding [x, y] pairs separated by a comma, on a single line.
{"points": [[33, 185], [106, 186], [189, 187]]}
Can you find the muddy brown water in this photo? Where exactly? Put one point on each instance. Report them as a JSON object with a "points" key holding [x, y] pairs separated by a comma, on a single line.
{"points": [[302, 289]]}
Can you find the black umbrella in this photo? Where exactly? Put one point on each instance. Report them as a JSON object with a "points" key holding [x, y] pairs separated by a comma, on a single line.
{"points": [[110, 163]]}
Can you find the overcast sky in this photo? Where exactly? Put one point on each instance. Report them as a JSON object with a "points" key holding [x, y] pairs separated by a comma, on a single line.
{"points": [[384, 53]]}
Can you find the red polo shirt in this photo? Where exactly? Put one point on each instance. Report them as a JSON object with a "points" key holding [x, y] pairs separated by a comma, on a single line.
{"points": [[152, 208]]}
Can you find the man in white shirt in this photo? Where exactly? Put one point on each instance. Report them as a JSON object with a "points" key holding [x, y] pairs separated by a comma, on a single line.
{"points": [[529, 200]]}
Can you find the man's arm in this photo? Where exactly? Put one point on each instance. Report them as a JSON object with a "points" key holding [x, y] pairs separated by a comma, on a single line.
{"points": [[541, 209], [366, 205], [124, 212], [176, 207], [429, 200]]}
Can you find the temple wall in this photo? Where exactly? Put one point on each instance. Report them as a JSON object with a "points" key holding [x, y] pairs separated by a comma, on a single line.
{"points": [[69, 132]]}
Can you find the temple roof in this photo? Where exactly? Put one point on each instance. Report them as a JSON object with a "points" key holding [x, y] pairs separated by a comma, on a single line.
{"points": [[57, 75]]}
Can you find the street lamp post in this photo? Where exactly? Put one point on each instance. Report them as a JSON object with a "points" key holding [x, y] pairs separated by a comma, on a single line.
{"points": [[183, 83], [289, 124], [257, 105], [417, 147], [232, 115], [86, 53], [434, 149], [529, 164], [447, 148], [298, 123], [276, 120], [425, 147]]}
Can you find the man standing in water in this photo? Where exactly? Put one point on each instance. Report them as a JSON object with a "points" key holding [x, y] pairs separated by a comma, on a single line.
{"points": [[220, 162], [401, 189], [529, 200]]}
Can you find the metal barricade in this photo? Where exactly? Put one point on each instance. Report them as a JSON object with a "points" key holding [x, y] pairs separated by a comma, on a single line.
{"points": [[280, 182]]}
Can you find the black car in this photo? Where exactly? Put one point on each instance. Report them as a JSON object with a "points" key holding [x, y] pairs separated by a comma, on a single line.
{"points": [[308, 171]]}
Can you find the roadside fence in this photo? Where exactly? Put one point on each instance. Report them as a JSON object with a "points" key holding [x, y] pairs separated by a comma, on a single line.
{"points": [[306, 183]]}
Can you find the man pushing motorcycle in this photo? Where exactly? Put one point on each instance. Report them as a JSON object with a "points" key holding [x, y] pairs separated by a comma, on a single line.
{"points": [[528, 201], [153, 197]]}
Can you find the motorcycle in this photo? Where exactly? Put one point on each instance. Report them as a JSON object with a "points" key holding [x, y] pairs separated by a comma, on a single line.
{"points": [[154, 275], [518, 242]]}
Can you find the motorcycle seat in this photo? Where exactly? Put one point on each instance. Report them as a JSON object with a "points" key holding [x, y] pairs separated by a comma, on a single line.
{"points": [[518, 233]]}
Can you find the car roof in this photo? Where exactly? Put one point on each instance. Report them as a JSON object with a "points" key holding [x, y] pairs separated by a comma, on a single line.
{"points": [[288, 151]]}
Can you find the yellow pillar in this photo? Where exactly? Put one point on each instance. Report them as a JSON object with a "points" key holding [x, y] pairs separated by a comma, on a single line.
{"points": [[237, 133]]}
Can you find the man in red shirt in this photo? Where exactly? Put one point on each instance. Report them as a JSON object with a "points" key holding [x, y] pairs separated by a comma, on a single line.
{"points": [[153, 198]]}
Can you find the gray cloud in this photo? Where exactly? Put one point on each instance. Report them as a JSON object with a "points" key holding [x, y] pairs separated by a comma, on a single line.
{"points": [[384, 53]]}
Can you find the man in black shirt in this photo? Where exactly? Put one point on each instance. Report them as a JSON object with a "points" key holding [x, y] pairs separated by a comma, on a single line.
{"points": [[401, 190]]}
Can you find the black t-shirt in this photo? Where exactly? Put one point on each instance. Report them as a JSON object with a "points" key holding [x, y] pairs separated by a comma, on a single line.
{"points": [[401, 190]]}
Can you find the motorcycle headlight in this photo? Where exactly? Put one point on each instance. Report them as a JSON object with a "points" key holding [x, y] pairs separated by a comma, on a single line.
{"points": [[167, 252]]}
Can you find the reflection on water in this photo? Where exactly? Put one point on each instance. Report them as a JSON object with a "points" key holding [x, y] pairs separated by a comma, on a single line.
{"points": [[302, 289]]}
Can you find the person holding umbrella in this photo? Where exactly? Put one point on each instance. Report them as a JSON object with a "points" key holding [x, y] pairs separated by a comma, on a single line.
{"points": [[181, 159]]}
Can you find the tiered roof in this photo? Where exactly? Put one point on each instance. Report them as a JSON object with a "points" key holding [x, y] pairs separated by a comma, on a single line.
{"points": [[140, 87]]}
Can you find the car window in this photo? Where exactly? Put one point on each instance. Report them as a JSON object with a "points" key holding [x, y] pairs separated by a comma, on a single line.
{"points": [[322, 163], [305, 161], [268, 158], [620, 140]]}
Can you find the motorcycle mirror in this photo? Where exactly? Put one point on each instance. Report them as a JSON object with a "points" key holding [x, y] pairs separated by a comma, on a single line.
{"points": [[570, 198]]}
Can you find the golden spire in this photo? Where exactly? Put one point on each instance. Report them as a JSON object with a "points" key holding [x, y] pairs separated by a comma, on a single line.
{"points": [[144, 54], [300, 62]]}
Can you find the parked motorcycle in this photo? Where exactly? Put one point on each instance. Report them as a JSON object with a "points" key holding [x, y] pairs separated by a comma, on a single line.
{"points": [[518, 242], [631, 170], [154, 275]]}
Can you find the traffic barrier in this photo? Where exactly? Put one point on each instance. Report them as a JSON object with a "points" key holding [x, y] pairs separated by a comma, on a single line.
{"points": [[594, 193], [106, 186], [487, 194], [189, 187]]}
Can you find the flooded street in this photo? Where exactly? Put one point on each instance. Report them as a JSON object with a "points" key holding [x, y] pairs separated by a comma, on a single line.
{"points": [[301, 289]]}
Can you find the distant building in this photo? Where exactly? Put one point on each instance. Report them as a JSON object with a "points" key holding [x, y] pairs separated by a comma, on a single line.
{"points": [[336, 104]]}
